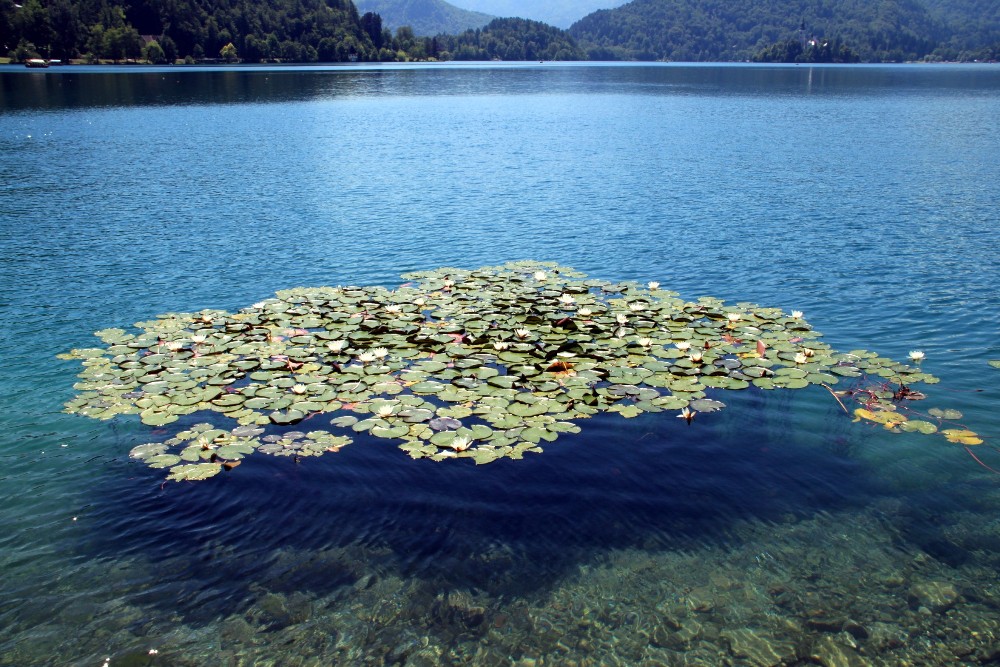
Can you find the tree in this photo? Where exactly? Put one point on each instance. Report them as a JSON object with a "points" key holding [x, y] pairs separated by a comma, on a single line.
{"points": [[228, 53], [153, 53], [371, 23]]}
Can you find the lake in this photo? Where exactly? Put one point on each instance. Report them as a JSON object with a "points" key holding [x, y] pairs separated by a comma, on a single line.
{"points": [[775, 531]]}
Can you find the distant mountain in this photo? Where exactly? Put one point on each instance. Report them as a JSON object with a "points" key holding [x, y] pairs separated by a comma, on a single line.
{"points": [[511, 39], [722, 30], [426, 17], [560, 13]]}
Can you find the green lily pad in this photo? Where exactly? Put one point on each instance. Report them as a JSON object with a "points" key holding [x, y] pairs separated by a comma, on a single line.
{"points": [[194, 472], [502, 352]]}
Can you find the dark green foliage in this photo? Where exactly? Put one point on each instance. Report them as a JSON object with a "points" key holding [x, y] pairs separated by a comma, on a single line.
{"points": [[811, 51], [333, 31], [718, 30], [275, 30], [512, 39], [425, 17]]}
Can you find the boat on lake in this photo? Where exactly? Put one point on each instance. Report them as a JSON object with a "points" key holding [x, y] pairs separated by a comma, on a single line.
{"points": [[36, 63]]}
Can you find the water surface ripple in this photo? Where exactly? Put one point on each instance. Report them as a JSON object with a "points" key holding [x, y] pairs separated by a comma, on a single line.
{"points": [[774, 531]]}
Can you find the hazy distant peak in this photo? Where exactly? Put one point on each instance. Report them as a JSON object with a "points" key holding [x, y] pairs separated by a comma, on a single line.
{"points": [[559, 13]]}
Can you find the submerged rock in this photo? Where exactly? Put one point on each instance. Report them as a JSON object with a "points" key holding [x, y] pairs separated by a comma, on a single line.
{"points": [[756, 649], [275, 611], [831, 653], [459, 607], [937, 596]]}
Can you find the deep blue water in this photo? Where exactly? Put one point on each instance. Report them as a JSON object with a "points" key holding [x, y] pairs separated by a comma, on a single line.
{"points": [[866, 197]]}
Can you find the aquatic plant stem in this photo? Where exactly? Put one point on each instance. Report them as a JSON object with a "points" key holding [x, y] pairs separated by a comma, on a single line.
{"points": [[837, 398], [976, 458]]}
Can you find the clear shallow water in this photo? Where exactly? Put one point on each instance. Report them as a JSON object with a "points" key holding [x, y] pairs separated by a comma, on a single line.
{"points": [[775, 530]]}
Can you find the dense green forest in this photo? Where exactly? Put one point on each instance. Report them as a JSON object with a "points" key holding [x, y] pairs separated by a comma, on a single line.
{"points": [[287, 30], [720, 30], [166, 31], [425, 17], [512, 39]]}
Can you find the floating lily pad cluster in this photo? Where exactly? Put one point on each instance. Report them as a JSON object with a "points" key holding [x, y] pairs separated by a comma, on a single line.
{"points": [[484, 364]]}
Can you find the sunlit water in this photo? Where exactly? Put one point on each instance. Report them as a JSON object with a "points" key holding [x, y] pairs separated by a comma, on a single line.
{"points": [[772, 532]]}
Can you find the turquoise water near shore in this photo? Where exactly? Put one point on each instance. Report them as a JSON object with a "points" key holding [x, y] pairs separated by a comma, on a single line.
{"points": [[773, 532]]}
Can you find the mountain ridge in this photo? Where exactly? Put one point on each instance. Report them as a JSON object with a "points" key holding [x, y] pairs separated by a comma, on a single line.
{"points": [[718, 30], [425, 17]]}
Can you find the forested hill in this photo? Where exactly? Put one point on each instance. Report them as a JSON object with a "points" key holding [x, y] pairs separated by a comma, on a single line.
{"points": [[511, 39], [425, 17], [334, 30], [722, 30], [287, 30]]}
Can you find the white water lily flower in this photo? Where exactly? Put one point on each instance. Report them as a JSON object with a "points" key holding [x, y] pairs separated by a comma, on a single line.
{"points": [[174, 345], [540, 275], [336, 345], [800, 358], [917, 355], [645, 342], [197, 339], [522, 333], [566, 355], [696, 357], [585, 312], [299, 389], [393, 308], [797, 314], [733, 317], [380, 352], [621, 318], [653, 285], [808, 352], [567, 299], [384, 410], [620, 332], [419, 302], [687, 413], [460, 443], [366, 356], [682, 345], [637, 306], [501, 345]]}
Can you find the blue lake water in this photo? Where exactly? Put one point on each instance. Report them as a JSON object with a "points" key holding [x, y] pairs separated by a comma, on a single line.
{"points": [[775, 531]]}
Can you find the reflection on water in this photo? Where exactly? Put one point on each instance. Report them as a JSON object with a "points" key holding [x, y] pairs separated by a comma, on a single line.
{"points": [[83, 87], [773, 532]]}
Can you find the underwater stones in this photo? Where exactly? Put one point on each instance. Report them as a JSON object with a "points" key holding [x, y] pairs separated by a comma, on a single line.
{"points": [[829, 652], [494, 356], [937, 596], [236, 630], [458, 607], [757, 649], [275, 611]]}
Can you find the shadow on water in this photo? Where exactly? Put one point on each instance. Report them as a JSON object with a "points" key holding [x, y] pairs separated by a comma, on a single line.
{"points": [[512, 528]]}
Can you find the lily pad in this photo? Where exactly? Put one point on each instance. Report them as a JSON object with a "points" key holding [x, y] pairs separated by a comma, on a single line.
{"points": [[480, 364]]}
